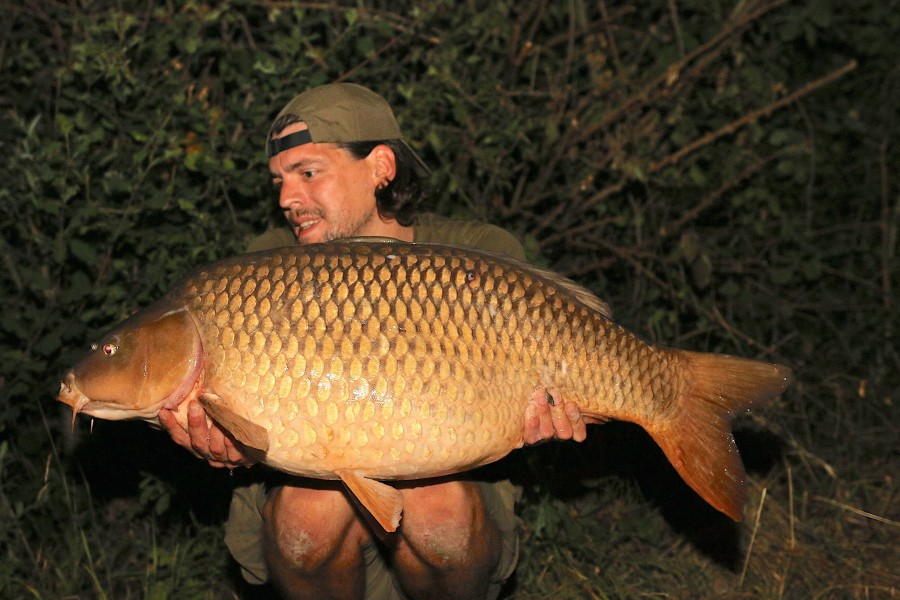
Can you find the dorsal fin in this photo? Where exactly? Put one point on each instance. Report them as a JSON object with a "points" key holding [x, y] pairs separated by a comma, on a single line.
{"points": [[374, 239], [581, 293]]}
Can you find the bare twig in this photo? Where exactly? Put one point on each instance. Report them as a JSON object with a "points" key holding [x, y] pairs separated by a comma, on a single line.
{"points": [[570, 232], [645, 93], [610, 38], [672, 227], [551, 220], [750, 117], [857, 511], [762, 501], [676, 25], [369, 59], [889, 217]]}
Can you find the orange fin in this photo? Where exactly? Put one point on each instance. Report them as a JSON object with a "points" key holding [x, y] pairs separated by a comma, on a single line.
{"points": [[697, 439], [383, 501], [249, 434]]}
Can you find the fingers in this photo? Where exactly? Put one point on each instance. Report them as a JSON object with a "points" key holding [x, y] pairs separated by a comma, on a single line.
{"points": [[223, 451], [235, 456], [199, 432], [538, 424], [532, 423], [203, 438], [170, 424], [559, 419], [215, 441], [576, 421], [548, 416]]}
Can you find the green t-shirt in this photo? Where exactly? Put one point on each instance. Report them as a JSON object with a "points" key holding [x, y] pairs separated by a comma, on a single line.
{"points": [[428, 227]]}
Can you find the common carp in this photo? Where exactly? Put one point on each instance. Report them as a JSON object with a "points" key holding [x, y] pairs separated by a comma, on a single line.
{"points": [[371, 359]]}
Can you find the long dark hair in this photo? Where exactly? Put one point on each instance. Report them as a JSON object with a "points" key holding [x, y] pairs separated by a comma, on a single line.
{"points": [[401, 198]]}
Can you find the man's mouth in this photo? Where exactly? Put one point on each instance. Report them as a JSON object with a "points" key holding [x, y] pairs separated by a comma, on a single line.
{"points": [[304, 229], [303, 221], [304, 225]]}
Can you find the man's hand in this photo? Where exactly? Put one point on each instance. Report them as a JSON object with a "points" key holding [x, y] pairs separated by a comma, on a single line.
{"points": [[204, 439], [548, 416]]}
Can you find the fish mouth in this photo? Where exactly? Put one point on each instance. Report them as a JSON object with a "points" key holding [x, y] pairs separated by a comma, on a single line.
{"points": [[70, 394]]}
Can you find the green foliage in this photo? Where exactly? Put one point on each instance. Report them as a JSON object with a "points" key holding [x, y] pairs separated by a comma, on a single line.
{"points": [[724, 175]]}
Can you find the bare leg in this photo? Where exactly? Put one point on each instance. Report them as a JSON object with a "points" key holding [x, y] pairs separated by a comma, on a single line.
{"points": [[313, 543], [447, 546]]}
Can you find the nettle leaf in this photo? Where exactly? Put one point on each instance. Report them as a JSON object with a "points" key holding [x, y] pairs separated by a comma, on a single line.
{"points": [[79, 287], [83, 252], [48, 344]]}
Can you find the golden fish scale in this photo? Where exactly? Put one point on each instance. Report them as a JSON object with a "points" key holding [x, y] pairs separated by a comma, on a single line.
{"points": [[407, 363]]}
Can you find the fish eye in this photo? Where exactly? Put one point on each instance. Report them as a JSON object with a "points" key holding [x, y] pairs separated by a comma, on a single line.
{"points": [[109, 348]]}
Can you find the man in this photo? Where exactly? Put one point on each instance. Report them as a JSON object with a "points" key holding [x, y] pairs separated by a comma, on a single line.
{"points": [[342, 169]]}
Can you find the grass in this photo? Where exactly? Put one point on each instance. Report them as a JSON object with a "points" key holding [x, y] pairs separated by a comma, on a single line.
{"points": [[605, 519], [61, 541], [823, 520]]}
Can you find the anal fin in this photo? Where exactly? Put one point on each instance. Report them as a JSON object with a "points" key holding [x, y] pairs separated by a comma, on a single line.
{"points": [[384, 502], [248, 433]]}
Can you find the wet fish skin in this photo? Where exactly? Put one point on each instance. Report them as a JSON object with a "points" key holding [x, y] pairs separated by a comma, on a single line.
{"points": [[379, 360]]}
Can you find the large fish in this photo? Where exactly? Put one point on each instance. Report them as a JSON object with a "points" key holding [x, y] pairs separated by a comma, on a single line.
{"points": [[371, 360]]}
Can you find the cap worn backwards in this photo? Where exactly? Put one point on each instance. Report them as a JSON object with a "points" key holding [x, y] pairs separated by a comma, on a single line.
{"points": [[338, 112]]}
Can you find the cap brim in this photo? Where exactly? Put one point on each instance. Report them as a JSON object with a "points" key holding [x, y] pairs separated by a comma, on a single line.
{"points": [[422, 167]]}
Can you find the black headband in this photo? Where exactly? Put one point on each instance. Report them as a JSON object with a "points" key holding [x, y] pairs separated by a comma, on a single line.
{"points": [[298, 138]]}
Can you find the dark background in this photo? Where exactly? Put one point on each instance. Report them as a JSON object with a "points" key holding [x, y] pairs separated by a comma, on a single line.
{"points": [[724, 174]]}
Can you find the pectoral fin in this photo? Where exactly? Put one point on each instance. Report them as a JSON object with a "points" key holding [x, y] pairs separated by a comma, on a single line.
{"points": [[383, 501], [249, 434]]}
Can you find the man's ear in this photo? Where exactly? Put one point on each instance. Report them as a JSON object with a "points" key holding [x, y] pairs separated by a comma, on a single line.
{"points": [[384, 163]]}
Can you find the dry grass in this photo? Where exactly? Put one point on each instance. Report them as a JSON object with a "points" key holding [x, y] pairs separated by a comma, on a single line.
{"points": [[823, 520]]}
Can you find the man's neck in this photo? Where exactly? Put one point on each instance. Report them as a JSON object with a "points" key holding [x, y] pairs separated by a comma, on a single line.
{"points": [[393, 229]]}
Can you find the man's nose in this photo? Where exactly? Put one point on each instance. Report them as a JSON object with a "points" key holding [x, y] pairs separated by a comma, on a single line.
{"points": [[290, 195]]}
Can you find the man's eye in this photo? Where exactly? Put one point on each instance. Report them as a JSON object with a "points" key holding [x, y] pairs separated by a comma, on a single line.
{"points": [[276, 183], [309, 174]]}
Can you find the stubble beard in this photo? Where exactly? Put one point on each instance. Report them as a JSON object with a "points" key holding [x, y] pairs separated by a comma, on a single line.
{"points": [[347, 226]]}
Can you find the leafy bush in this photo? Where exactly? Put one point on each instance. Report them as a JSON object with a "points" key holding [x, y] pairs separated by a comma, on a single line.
{"points": [[725, 176]]}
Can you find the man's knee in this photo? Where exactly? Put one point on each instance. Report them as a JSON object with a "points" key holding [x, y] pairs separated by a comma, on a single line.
{"points": [[448, 524], [305, 529]]}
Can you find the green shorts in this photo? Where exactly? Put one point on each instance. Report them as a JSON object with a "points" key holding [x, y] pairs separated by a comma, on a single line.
{"points": [[244, 531]]}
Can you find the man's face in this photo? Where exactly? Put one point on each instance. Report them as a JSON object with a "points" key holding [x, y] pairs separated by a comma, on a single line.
{"points": [[326, 193]]}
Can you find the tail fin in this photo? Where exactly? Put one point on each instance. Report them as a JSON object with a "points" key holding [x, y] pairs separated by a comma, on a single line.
{"points": [[697, 439]]}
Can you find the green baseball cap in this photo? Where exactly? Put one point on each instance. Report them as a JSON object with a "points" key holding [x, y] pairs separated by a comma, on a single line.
{"points": [[339, 112]]}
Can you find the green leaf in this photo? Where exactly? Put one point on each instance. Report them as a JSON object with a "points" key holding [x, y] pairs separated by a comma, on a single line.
{"points": [[83, 252], [48, 344], [79, 287], [64, 123]]}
